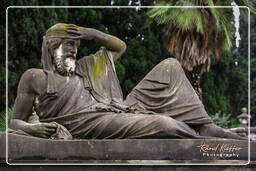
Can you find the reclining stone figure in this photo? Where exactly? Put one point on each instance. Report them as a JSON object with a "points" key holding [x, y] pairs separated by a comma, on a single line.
{"points": [[84, 96]]}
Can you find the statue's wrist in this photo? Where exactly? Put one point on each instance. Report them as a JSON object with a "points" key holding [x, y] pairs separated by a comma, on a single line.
{"points": [[88, 33], [29, 128]]}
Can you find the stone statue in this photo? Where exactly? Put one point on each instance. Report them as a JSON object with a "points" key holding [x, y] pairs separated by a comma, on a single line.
{"points": [[83, 97]]}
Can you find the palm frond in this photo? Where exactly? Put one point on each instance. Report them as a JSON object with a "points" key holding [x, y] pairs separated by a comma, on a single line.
{"points": [[227, 44], [197, 36], [214, 12], [187, 18], [159, 15]]}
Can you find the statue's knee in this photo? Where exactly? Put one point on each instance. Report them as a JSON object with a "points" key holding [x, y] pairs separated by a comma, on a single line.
{"points": [[168, 62], [173, 61], [168, 124]]}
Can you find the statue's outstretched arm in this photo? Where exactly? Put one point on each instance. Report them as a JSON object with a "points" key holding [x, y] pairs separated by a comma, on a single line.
{"points": [[113, 44]]}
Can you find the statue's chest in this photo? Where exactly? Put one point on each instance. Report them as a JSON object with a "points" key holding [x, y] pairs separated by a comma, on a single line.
{"points": [[70, 95]]}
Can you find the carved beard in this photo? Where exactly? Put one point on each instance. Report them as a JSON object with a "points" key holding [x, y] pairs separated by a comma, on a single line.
{"points": [[64, 65]]}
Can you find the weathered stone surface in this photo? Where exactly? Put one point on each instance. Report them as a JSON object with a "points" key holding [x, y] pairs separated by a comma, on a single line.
{"points": [[23, 149]]}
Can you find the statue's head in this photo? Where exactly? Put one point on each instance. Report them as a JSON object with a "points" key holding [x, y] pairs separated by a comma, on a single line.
{"points": [[59, 49]]}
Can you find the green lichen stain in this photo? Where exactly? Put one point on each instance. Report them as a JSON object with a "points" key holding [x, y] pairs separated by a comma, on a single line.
{"points": [[61, 29], [78, 28], [98, 66], [117, 42], [65, 27]]}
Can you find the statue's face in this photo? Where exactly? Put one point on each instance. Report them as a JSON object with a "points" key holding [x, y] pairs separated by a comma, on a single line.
{"points": [[65, 57]]}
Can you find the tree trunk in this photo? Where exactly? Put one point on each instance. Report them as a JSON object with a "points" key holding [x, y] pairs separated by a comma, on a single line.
{"points": [[194, 77]]}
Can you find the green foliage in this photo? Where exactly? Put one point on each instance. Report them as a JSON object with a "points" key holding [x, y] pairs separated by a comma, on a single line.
{"points": [[225, 87], [253, 90], [252, 68], [221, 119], [3, 117], [225, 120], [243, 56]]}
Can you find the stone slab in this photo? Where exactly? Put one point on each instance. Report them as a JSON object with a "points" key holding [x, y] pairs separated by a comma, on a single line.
{"points": [[22, 149]]}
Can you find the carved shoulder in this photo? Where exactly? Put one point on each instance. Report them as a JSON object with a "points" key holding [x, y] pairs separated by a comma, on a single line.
{"points": [[32, 81]]}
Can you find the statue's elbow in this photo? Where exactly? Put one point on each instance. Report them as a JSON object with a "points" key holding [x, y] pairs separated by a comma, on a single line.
{"points": [[123, 47], [13, 124]]}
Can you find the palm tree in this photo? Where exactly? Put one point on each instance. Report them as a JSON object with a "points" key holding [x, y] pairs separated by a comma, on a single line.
{"points": [[197, 36]]}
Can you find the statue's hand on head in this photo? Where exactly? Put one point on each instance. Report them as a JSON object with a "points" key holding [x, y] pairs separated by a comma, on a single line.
{"points": [[82, 33], [44, 130], [114, 46]]}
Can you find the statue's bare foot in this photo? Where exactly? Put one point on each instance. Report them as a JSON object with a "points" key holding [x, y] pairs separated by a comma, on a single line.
{"points": [[213, 130]]}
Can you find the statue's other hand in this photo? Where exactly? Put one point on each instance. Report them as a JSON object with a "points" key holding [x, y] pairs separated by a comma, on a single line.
{"points": [[44, 130]]}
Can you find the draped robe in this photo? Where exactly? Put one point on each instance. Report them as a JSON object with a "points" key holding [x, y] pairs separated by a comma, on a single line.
{"points": [[90, 104]]}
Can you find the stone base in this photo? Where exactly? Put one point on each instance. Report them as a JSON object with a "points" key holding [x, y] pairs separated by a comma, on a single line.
{"points": [[30, 150]]}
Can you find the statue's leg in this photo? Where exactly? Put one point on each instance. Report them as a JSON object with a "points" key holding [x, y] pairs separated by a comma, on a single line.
{"points": [[124, 125], [166, 90], [216, 131]]}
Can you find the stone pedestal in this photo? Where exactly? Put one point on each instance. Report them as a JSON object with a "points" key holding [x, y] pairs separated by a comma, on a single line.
{"points": [[30, 150]]}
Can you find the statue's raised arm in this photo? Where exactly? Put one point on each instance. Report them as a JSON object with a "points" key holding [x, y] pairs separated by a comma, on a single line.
{"points": [[113, 44]]}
